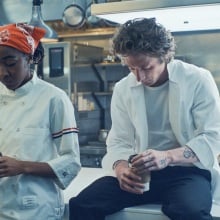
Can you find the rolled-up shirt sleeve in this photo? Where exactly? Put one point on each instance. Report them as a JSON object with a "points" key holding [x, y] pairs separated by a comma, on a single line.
{"points": [[66, 168]]}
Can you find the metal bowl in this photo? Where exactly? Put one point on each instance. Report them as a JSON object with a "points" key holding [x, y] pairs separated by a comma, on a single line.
{"points": [[74, 16], [103, 134]]}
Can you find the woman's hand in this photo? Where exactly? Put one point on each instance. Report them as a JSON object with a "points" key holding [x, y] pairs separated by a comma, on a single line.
{"points": [[9, 166], [128, 179]]}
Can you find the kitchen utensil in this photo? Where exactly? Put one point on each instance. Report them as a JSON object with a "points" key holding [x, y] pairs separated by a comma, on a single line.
{"points": [[111, 86], [74, 15], [103, 133]]}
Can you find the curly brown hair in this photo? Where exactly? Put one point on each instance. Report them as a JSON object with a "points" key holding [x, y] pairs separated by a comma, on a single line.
{"points": [[145, 36]]}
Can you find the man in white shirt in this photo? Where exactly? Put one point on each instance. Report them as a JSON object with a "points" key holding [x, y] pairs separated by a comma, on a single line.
{"points": [[167, 112]]}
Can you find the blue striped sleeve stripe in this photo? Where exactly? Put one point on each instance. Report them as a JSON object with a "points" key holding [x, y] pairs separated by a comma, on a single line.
{"points": [[65, 131]]}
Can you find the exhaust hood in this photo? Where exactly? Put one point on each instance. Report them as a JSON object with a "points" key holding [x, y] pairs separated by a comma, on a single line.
{"points": [[184, 15]]}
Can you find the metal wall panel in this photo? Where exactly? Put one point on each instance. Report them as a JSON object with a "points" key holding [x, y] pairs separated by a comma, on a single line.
{"points": [[202, 49]]}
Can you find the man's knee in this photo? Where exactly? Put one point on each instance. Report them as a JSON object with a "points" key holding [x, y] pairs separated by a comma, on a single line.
{"points": [[187, 212]]}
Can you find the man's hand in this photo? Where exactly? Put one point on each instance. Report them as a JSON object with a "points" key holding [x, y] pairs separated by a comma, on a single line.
{"points": [[151, 160], [128, 179]]}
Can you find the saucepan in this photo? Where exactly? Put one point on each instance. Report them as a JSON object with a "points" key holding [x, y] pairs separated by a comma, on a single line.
{"points": [[103, 134], [74, 14]]}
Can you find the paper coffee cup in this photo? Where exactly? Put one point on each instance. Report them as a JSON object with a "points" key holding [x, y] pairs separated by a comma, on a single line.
{"points": [[145, 178]]}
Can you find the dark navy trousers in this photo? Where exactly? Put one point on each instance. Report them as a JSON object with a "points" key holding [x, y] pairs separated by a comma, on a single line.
{"points": [[184, 192]]}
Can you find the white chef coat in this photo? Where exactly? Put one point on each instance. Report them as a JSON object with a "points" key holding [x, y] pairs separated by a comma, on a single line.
{"points": [[194, 114], [37, 123]]}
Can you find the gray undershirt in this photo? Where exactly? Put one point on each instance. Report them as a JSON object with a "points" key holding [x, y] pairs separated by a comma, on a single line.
{"points": [[161, 136]]}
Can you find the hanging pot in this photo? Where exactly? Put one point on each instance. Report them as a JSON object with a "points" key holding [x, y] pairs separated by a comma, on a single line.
{"points": [[74, 15], [103, 134], [92, 19]]}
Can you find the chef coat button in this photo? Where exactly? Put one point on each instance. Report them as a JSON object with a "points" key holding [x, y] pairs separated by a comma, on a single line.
{"points": [[0, 129], [22, 103], [5, 103], [18, 129], [65, 174]]}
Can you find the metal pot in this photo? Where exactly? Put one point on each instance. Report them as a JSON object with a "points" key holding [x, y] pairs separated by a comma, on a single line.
{"points": [[111, 86], [74, 14], [103, 133]]}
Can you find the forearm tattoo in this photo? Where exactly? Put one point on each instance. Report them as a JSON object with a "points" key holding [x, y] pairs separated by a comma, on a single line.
{"points": [[163, 163], [188, 153]]}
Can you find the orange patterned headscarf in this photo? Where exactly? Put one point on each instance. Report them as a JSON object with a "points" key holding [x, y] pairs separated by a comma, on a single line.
{"points": [[22, 37]]}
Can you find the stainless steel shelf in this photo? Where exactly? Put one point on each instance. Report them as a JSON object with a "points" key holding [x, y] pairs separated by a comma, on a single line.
{"points": [[93, 150]]}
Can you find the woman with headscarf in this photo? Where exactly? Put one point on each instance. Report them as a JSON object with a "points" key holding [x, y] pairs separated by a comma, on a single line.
{"points": [[38, 134]]}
